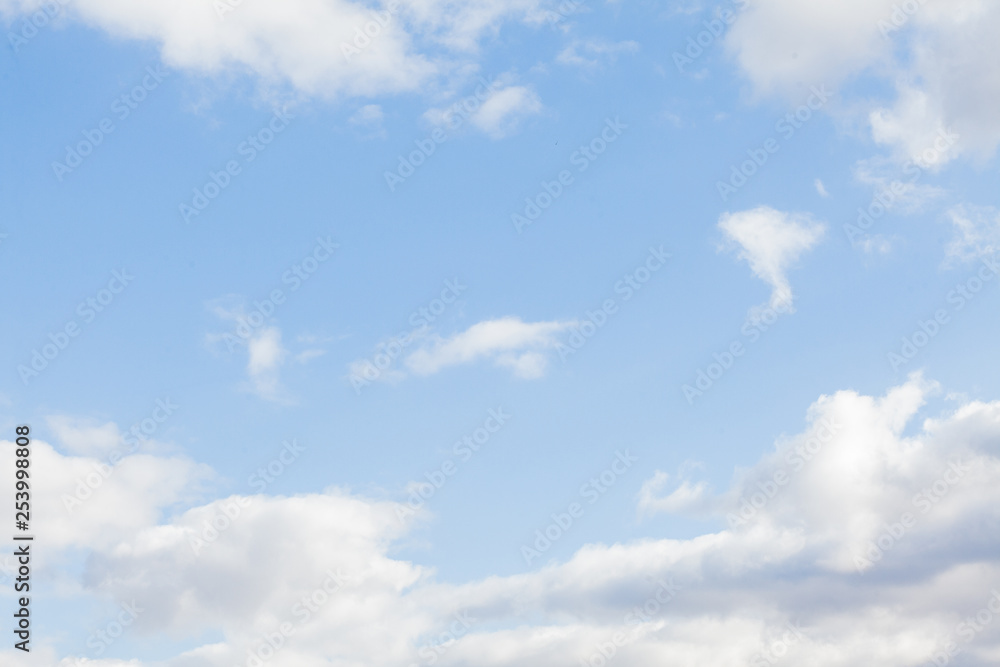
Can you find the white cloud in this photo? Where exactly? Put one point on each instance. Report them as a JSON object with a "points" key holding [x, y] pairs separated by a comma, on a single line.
{"points": [[84, 436], [368, 121], [502, 112], [684, 497], [977, 233], [942, 60], [771, 241], [820, 188], [594, 52], [311, 45], [266, 355], [508, 341], [896, 189], [823, 503]]}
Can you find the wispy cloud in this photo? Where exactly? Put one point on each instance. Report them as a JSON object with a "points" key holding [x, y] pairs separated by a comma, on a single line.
{"points": [[977, 233]]}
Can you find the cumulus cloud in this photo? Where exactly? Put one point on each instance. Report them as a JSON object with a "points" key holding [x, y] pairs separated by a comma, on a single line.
{"points": [[317, 47], [940, 59], [770, 242], [866, 534]]}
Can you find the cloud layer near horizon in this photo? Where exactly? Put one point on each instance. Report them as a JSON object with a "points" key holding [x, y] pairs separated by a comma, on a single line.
{"points": [[818, 546]]}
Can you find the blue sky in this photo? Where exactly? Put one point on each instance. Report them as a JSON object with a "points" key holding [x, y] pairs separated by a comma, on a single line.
{"points": [[207, 87]]}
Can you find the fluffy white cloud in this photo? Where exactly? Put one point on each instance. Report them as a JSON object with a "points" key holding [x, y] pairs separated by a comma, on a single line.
{"points": [[864, 538], [942, 59], [771, 241], [329, 48]]}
